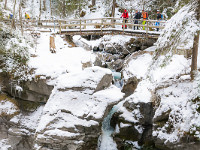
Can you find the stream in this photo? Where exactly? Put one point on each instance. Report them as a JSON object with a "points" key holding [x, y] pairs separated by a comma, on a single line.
{"points": [[106, 142]]}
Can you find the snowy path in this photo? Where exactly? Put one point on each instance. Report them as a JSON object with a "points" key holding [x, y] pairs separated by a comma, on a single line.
{"points": [[65, 60]]}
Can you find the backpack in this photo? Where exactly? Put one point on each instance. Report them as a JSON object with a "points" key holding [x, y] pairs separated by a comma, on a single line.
{"points": [[146, 15], [125, 15], [162, 16], [139, 15]]}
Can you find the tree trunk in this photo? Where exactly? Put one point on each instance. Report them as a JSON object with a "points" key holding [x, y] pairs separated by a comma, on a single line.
{"points": [[113, 8], [13, 19], [64, 8], [44, 5], [93, 2], [79, 9], [113, 12], [50, 8], [5, 5], [20, 17], [195, 46], [39, 23]]}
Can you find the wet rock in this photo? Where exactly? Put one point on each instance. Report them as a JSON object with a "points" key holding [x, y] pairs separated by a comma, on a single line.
{"points": [[139, 129], [95, 48], [118, 64], [129, 86], [101, 47], [37, 91], [110, 49]]}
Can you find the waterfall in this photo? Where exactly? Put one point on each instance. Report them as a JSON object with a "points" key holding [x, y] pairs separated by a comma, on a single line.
{"points": [[106, 141]]}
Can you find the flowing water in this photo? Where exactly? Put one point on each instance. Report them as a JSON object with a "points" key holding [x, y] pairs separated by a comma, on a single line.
{"points": [[106, 142]]}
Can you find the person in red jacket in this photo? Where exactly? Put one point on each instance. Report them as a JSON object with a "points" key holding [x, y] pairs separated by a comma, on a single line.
{"points": [[125, 16]]}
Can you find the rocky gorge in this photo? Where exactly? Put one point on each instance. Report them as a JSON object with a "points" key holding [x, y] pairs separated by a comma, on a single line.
{"points": [[73, 99]]}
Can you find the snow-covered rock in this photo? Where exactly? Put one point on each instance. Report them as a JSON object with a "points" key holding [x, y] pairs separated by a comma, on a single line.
{"points": [[73, 114]]}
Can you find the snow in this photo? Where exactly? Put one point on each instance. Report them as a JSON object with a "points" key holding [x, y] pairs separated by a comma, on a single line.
{"points": [[183, 114], [7, 107], [4, 144], [76, 106], [179, 30], [80, 79], [105, 40], [65, 60], [134, 67], [29, 121], [177, 66]]}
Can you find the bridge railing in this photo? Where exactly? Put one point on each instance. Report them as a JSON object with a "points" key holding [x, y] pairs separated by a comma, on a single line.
{"points": [[103, 23], [95, 23]]}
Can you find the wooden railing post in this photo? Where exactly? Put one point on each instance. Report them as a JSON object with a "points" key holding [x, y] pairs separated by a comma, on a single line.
{"points": [[101, 24], [147, 26], [85, 24], [60, 26], [80, 25], [113, 23], [123, 25]]}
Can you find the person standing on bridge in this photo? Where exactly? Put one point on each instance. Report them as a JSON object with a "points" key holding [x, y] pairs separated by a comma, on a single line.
{"points": [[27, 16], [137, 17], [125, 16], [159, 17], [145, 17]]}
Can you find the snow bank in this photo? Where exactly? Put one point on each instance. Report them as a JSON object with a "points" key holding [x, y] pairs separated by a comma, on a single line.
{"points": [[29, 121], [177, 66], [74, 102], [4, 144], [8, 108], [105, 40], [138, 67], [65, 60], [180, 29], [184, 118]]}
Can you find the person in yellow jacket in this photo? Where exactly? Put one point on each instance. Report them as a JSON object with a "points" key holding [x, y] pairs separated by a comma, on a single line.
{"points": [[145, 17], [27, 16]]}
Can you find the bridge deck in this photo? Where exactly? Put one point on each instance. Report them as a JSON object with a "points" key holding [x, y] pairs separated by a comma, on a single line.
{"points": [[110, 31]]}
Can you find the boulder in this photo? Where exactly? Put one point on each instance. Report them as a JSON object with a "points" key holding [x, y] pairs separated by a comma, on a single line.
{"points": [[72, 116], [129, 86], [136, 125], [118, 64], [35, 90]]}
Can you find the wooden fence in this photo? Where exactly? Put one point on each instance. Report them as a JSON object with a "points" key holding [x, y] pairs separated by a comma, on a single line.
{"points": [[96, 23]]}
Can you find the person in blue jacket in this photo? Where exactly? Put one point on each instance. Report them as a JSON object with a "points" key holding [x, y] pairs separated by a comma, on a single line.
{"points": [[159, 17], [137, 17]]}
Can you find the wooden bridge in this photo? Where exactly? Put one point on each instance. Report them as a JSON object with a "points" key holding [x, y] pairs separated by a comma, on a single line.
{"points": [[98, 26]]}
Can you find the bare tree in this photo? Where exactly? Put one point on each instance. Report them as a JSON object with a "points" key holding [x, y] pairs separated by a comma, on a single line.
{"points": [[64, 8], [113, 8], [40, 12], [195, 45], [44, 5], [20, 16], [5, 5], [13, 19], [93, 2], [50, 8], [113, 11]]}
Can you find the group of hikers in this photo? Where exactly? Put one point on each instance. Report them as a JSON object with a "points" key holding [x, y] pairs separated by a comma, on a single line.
{"points": [[26, 16], [138, 16]]}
